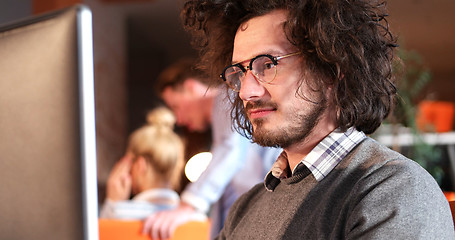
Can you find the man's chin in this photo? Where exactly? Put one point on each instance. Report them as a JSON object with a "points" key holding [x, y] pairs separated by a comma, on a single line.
{"points": [[263, 127], [265, 137]]}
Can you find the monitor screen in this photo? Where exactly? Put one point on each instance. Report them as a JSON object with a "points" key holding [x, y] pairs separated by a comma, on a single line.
{"points": [[48, 186]]}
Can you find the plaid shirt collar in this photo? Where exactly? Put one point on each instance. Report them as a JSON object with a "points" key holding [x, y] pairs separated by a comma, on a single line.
{"points": [[320, 161]]}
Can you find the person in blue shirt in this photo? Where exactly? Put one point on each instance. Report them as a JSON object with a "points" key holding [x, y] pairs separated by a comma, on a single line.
{"points": [[236, 165]]}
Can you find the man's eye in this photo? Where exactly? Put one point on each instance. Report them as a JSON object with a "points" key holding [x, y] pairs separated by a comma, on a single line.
{"points": [[268, 65]]}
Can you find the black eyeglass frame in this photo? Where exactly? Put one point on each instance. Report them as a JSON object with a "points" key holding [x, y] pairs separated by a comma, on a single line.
{"points": [[274, 60]]}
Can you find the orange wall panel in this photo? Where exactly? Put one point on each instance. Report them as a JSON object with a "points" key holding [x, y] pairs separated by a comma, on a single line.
{"points": [[41, 6]]}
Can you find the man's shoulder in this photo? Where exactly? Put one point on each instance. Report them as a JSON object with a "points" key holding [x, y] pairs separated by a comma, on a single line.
{"points": [[372, 162], [370, 153], [242, 205]]}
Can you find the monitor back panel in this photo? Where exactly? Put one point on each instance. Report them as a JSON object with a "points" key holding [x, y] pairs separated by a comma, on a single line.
{"points": [[41, 175]]}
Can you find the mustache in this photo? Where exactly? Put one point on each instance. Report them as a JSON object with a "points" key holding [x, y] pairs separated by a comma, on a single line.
{"points": [[259, 104]]}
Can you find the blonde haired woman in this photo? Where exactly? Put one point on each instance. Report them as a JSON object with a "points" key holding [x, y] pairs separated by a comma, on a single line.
{"points": [[150, 171]]}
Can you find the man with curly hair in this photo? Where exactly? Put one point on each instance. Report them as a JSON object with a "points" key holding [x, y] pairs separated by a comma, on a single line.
{"points": [[315, 77]]}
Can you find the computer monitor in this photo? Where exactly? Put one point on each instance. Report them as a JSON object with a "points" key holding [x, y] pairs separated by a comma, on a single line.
{"points": [[48, 185]]}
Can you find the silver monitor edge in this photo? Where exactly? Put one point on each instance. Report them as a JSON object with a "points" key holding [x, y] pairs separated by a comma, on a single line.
{"points": [[87, 105]]}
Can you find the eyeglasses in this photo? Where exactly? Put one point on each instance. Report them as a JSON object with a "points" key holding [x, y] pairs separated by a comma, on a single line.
{"points": [[262, 66]]}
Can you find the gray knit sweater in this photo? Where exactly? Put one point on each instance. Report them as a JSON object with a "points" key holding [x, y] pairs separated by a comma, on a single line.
{"points": [[373, 193]]}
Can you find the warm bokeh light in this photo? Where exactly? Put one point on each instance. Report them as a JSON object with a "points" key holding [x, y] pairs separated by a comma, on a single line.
{"points": [[196, 165]]}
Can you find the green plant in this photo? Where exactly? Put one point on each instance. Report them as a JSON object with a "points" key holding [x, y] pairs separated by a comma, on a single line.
{"points": [[412, 78]]}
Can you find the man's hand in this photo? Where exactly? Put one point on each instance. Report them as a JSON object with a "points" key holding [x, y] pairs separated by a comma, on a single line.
{"points": [[119, 181], [162, 225]]}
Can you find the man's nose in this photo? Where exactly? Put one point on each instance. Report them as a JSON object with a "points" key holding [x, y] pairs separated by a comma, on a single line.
{"points": [[250, 87]]}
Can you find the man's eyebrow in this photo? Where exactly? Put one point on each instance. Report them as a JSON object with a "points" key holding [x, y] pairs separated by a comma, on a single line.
{"points": [[272, 52], [247, 60]]}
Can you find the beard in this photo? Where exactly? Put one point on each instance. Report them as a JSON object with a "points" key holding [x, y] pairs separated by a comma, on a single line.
{"points": [[300, 125]]}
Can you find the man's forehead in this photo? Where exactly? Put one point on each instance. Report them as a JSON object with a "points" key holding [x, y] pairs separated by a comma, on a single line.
{"points": [[260, 35], [170, 94]]}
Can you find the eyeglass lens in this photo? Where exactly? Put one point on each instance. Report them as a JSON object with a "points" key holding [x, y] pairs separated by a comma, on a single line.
{"points": [[262, 67]]}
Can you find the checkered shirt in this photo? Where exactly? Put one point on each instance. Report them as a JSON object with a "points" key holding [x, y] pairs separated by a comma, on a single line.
{"points": [[322, 159]]}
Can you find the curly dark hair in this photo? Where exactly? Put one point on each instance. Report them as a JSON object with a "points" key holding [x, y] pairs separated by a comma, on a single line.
{"points": [[348, 42]]}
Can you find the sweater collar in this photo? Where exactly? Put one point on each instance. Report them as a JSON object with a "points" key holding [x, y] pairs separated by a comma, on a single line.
{"points": [[321, 160]]}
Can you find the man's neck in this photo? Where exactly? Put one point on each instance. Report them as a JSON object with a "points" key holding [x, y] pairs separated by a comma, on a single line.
{"points": [[300, 150]]}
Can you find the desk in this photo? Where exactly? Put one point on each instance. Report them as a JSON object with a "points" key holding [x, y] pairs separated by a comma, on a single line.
{"points": [[110, 229]]}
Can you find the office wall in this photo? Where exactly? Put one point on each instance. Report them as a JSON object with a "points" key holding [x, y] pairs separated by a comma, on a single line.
{"points": [[11, 10]]}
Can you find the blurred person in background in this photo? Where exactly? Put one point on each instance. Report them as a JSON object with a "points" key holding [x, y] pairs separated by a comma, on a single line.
{"points": [[150, 171], [236, 165]]}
